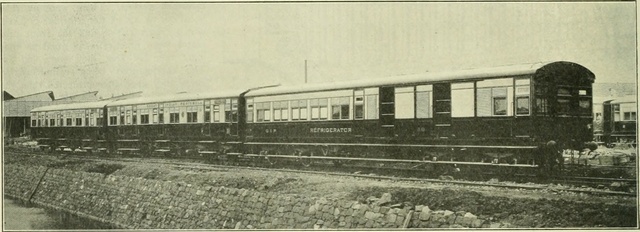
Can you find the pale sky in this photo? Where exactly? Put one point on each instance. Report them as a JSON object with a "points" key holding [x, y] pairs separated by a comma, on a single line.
{"points": [[72, 48]]}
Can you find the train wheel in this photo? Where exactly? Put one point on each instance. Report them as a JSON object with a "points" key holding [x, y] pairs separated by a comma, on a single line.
{"points": [[267, 160], [305, 161]]}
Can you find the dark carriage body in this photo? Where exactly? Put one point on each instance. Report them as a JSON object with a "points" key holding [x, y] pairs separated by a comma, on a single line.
{"points": [[174, 123], [509, 111], [619, 121], [488, 111], [76, 125]]}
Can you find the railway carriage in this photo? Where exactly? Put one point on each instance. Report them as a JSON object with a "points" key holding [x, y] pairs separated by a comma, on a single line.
{"points": [[495, 115], [76, 125], [174, 124], [516, 116], [619, 120]]}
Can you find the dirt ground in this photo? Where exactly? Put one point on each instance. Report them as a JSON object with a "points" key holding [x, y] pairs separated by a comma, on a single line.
{"points": [[518, 207]]}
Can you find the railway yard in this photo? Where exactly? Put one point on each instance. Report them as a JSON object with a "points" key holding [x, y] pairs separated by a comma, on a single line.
{"points": [[552, 203]]}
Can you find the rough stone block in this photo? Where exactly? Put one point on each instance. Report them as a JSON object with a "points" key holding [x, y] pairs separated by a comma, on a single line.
{"points": [[399, 220], [403, 212], [368, 224], [348, 219], [327, 216], [424, 215], [391, 218], [322, 201], [347, 204], [385, 199], [477, 223]]}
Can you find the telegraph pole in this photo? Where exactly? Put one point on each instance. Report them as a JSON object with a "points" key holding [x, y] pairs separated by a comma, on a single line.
{"points": [[305, 71]]}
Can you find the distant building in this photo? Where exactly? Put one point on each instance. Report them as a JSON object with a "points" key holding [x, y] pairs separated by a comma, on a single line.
{"points": [[16, 111], [614, 89]]}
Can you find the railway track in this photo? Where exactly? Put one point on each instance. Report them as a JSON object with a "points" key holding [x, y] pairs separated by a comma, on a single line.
{"points": [[555, 184]]}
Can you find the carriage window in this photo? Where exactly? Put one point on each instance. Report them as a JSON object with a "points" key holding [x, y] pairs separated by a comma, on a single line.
{"points": [[216, 113], [69, 121], [33, 123], [499, 101], [630, 116], [249, 113], [583, 92], [499, 106], [340, 108], [281, 111], [564, 106], [522, 99], [52, 122], [174, 117], [144, 119], [371, 103], [585, 107], [423, 101], [462, 104], [303, 109], [192, 114], [564, 92], [404, 102], [155, 115], [298, 110], [372, 107], [522, 105], [113, 120], [542, 106], [359, 108], [144, 116], [319, 108], [78, 121], [494, 97], [616, 112], [161, 115], [263, 111], [231, 110]]}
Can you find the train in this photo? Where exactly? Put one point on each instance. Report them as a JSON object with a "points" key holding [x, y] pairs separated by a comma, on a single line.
{"points": [[515, 116], [616, 123]]}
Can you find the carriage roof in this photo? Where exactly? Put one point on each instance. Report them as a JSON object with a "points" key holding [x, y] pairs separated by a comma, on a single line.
{"points": [[480, 73], [176, 98], [72, 106], [625, 99]]}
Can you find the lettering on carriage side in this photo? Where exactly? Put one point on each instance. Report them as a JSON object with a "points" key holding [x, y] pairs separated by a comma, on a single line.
{"points": [[330, 130]]}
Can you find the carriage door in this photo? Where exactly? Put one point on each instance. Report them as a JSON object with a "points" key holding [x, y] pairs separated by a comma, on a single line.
{"points": [[442, 110], [387, 110], [231, 116]]}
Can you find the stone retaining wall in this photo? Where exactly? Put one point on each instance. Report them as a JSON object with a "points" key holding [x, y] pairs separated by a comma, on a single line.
{"points": [[131, 203]]}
